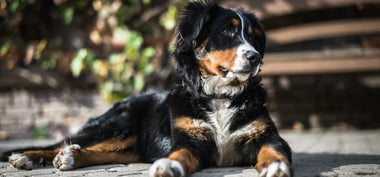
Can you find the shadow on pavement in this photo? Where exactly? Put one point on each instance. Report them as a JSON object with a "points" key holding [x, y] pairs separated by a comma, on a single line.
{"points": [[315, 164], [226, 171]]}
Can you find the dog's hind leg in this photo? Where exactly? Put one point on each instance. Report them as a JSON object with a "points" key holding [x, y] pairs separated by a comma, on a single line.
{"points": [[117, 122], [31, 159], [116, 150]]}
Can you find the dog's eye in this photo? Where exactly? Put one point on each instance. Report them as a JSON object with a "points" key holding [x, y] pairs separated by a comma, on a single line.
{"points": [[228, 32], [224, 70]]}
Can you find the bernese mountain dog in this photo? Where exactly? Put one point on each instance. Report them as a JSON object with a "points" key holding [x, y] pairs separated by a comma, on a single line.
{"points": [[215, 117]]}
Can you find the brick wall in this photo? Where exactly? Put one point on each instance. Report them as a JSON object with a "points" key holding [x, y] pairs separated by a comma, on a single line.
{"points": [[294, 102], [59, 113]]}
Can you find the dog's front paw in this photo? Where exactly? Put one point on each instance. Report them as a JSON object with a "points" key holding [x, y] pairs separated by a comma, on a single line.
{"points": [[166, 168], [64, 160], [20, 161], [277, 168]]}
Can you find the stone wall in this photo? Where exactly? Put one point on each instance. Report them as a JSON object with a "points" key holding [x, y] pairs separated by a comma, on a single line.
{"points": [[348, 101], [30, 113]]}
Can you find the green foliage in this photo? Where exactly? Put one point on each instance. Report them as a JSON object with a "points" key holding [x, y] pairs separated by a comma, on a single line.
{"points": [[79, 59], [67, 14], [117, 54], [169, 18], [40, 132], [5, 48]]}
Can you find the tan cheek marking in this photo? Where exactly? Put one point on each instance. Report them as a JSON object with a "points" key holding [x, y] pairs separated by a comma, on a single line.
{"points": [[211, 62], [186, 124], [235, 22], [266, 156], [188, 161]]}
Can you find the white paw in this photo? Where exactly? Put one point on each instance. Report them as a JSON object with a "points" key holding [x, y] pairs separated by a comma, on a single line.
{"points": [[166, 168], [276, 169], [20, 161], [64, 160]]}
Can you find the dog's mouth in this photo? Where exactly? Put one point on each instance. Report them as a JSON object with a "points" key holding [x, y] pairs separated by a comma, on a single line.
{"points": [[242, 75], [244, 67], [251, 69], [243, 71]]}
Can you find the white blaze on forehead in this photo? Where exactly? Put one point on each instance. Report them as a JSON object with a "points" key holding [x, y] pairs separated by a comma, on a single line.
{"points": [[242, 26], [241, 60], [246, 45]]}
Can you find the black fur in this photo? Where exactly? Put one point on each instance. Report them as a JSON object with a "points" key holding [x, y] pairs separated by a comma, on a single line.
{"points": [[150, 116]]}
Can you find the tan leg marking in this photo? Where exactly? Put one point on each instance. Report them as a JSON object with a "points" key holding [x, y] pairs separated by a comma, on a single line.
{"points": [[188, 161], [36, 156], [269, 155], [31, 159], [107, 152]]}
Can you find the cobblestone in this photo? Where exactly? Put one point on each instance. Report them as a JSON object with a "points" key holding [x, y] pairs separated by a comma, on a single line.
{"points": [[326, 154]]}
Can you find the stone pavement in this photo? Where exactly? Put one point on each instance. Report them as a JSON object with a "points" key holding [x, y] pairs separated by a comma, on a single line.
{"points": [[331, 153]]}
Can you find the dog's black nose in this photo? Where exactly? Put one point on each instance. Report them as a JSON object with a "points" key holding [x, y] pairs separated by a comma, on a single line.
{"points": [[252, 55]]}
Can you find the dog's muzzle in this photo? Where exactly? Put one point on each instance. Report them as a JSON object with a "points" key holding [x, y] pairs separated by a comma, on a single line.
{"points": [[250, 64]]}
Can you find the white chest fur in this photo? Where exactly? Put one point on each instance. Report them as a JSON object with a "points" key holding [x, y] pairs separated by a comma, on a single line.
{"points": [[220, 118]]}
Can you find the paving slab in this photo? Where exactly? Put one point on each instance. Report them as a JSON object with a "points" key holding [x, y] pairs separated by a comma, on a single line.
{"points": [[323, 153]]}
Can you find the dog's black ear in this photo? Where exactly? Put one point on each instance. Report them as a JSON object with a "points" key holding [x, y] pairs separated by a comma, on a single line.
{"points": [[259, 39], [189, 31], [196, 14]]}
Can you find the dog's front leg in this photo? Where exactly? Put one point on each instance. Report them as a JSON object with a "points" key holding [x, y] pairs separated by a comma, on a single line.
{"points": [[180, 163], [271, 162], [193, 139]]}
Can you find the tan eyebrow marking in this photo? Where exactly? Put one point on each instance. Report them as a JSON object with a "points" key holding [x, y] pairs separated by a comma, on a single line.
{"points": [[235, 22], [257, 31], [249, 30]]}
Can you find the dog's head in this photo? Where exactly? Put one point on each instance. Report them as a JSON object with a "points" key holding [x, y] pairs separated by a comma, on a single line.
{"points": [[217, 49]]}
